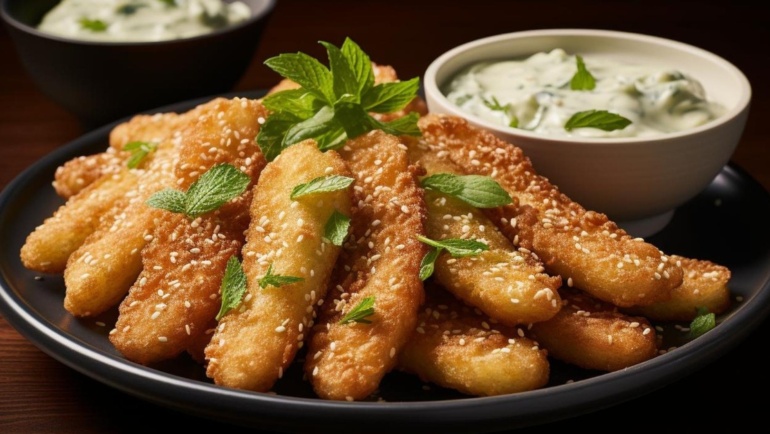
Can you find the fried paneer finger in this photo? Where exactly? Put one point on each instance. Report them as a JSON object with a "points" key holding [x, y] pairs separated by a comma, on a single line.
{"points": [[80, 172], [506, 283], [48, 248], [584, 247], [255, 343], [457, 347], [380, 261], [705, 285], [99, 273], [177, 293], [594, 335]]}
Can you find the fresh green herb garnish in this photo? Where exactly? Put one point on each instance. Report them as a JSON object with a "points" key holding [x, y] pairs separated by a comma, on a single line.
{"points": [[169, 3], [702, 323], [582, 80], [359, 313], [336, 228], [321, 185], [601, 119], [233, 287], [138, 150], [333, 104], [456, 247], [494, 104], [213, 189], [277, 280], [93, 25], [514, 123], [476, 190]]}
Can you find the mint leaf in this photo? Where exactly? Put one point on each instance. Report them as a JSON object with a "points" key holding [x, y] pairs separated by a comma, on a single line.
{"points": [[215, 188], [405, 125], [390, 97], [317, 126], [272, 133], [321, 185], [299, 102], [168, 199], [428, 264], [211, 190], [601, 119], [93, 25], [170, 3], [276, 280], [582, 80], [476, 190], [456, 247], [336, 228], [514, 123], [702, 323], [233, 287], [352, 117], [360, 65], [139, 150], [360, 312], [307, 72], [344, 81]]}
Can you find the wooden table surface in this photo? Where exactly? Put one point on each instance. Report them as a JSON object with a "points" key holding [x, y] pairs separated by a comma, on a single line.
{"points": [[38, 394]]}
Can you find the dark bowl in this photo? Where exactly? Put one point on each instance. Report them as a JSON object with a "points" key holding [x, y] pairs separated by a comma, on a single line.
{"points": [[101, 82]]}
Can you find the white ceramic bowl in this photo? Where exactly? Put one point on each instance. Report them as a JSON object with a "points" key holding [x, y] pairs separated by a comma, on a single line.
{"points": [[638, 182]]}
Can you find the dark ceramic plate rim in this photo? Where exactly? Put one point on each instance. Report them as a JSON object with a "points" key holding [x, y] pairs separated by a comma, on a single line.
{"points": [[269, 411]]}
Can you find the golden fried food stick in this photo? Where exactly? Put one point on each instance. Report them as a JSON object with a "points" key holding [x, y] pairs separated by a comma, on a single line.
{"points": [[584, 247], [457, 347], [705, 286], [381, 259], [256, 342], [594, 335], [177, 293], [100, 272], [50, 245], [80, 172], [504, 282]]}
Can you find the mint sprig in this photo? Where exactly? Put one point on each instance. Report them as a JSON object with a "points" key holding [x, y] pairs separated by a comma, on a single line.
{"points": [[321, 184], [211, 190], [333, 104], [233, 287], [601, 119], [95, 25], [138, 150], [476, 190], [582, 80], [276, 280], [336, 228], [702, 323], [360, 312], [456, 247]]}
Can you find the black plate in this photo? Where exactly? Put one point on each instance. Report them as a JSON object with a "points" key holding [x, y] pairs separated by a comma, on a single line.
{"points": [[734, 204]]}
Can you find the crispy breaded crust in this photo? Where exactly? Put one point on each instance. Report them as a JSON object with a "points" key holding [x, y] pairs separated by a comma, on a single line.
{"points": [[99, 273], [506, 283], [381, 259], [48, 248], [255, 343], [584, 247], [78, 173], [705, 285], [594, 335], [177, 293], [457, 347]]}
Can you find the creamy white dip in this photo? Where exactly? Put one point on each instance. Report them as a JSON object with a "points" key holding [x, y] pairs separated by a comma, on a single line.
{"points": [[140, 20], [534, 94]]}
